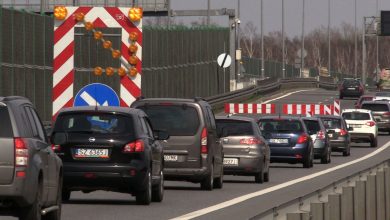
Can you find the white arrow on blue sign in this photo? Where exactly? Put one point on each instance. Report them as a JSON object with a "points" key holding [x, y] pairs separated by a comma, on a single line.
{"points": [[96, 94]]}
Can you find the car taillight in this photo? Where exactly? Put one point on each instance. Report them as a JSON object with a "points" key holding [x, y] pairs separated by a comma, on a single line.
{"points": [[343, 132], [134, 147], [302, 139], [21, 152], [250, 141], [203, 142], [56, 147], [370, 123], [321, 135]]}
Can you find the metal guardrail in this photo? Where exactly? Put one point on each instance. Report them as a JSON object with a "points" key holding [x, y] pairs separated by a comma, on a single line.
{"points": [[268, 86]]}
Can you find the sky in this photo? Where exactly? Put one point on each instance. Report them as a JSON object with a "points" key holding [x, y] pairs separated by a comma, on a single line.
{"points": [[316, 12]]}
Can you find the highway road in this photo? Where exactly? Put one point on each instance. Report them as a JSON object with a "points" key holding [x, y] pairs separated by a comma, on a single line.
{"points": [[182, 198]]}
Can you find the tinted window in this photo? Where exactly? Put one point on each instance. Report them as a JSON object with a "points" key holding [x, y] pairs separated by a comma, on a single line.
{"points": [[382, 94], [280, 125], [32, 122], [234, 127], [312, 126], [332, 123], [356, 116], [351, 83], [376, 107], [94, 123], [176, 120], [38, 124], [6, 126]]}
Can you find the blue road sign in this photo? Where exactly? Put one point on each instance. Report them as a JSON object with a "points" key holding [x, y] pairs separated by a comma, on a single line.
{"points": [[96, 94]]}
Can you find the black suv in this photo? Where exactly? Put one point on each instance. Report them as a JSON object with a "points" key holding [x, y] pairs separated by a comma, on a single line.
{"points": [[351, 88], [30, 172], [193, 151], [110, 148]]}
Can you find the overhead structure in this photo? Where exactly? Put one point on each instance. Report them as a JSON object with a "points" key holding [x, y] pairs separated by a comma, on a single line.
{"points": [[66, 19], [385, 23]]}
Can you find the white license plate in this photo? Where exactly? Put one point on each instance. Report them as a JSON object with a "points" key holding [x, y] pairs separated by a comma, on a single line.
{"points": [[278, 141], [330, 135], [91, 153], [230, 161], [351, 89], [170, 157]]}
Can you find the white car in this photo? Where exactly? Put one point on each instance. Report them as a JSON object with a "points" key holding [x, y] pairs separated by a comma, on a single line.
{"points": [[364, 127]]}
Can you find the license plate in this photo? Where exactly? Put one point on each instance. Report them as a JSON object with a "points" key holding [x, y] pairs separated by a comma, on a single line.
{"points": [[91, 153], [330, 135], [278, 141], [170, 157], [351, 88], [230, 161]]}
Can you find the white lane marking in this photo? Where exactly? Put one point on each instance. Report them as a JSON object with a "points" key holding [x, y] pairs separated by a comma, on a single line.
{"points": [[90, 100], [285, 95], [274, 188]]}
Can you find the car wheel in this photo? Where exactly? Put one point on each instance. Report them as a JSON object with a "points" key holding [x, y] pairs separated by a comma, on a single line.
{"points": [[158, 190], [208, 182], [56, 214], [218, 182], [33, 211], [325, 159], [65, 194], [266, 174], [259, 177], [308, 162], [374, 142], [347, 151], [145, 197]]}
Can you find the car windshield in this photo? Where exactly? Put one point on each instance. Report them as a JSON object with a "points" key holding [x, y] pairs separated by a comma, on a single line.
{"points": [[176, 120], [234, 127], [331, 123], [6, 126], [312, 126], [376, 107], [94, 123], [280, 125], [351, 83], [356, 116]]}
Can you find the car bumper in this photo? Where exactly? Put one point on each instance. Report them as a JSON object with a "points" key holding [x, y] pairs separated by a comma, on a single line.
{"points": [[383, 125], [352, 93], [114, 177], [362, 137], [246, 166], [288, 154], [319, 148]]}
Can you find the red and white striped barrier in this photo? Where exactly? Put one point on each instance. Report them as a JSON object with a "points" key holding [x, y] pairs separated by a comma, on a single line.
{"points": [[63, 63], [236, 108], [312, 109]]}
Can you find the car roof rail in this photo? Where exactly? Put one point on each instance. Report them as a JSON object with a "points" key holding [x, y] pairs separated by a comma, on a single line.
{"points": [[197, 99], [140, 98]]}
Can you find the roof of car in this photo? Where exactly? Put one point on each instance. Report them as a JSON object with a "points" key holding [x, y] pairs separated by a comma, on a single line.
{"points": [[356, 110], [238, 118], [173, 100], [314, 118], [376, 102], [279, 117], [108, 109], [330, 116]]}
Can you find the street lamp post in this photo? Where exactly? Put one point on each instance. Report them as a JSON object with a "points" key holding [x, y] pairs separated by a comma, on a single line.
{"points": [[283, 43], [355, 70], [329, 64], [303, 38], [262, 40]]}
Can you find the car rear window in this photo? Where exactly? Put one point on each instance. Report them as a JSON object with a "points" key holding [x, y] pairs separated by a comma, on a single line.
{"points": [[6, 126], [312, 125], [376, 107], [234, 127], [280, 125], [331, 123], [177, 120], [356, 116], [101, 123], [351, 83]]}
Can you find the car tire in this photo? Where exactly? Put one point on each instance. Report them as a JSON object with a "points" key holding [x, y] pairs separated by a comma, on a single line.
{"points": [[56, 214], [66, 195], [145, 197], [218, 182], [208, 182], [325, 159], [374, 143], [308, 162], [259, 177], [33, 211], [266, 174], [158, 190], [347, 151]]}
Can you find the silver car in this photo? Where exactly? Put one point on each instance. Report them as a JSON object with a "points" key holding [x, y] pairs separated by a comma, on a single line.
{"points": [[246, 152]]}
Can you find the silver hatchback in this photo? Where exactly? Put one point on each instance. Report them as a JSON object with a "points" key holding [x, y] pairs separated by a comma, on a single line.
{"points": [[246, 153]]}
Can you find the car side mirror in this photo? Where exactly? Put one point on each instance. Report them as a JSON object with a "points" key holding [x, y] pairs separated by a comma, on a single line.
{"points": [[161, 135], [58, 138]]}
